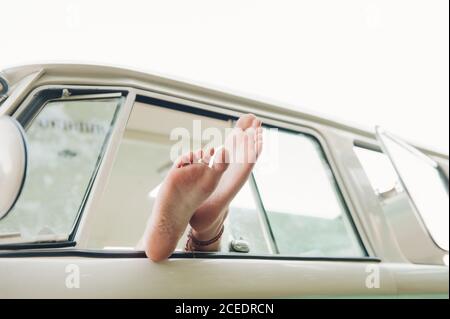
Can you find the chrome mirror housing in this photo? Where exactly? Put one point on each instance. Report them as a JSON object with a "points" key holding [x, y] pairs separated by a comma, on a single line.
{"points": [[13, 163]]}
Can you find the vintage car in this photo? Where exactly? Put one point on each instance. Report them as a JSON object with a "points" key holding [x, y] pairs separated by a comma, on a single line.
{"points": [[330, 210]]}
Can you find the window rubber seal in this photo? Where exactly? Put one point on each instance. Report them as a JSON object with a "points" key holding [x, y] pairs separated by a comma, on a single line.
{"points": [[110, 254]]}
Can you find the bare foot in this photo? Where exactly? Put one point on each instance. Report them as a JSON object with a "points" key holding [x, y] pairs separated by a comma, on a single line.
{"points": [[187, 185], [244, 145]]}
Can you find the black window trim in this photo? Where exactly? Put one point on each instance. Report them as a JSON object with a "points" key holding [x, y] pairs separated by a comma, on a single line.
{"points": [[112, 254]]}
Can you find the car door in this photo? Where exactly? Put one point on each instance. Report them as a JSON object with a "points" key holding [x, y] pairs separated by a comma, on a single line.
{"points": [[99, 155]]}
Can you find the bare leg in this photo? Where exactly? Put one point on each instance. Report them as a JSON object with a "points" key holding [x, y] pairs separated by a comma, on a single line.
{"points": [[244, 145], [185, 188]]}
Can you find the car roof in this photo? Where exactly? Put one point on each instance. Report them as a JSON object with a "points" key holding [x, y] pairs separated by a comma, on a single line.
{"points": [[120, 76]]}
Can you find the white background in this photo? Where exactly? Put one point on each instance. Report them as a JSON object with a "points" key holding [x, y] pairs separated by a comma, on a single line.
{"points": [[365, 62]]}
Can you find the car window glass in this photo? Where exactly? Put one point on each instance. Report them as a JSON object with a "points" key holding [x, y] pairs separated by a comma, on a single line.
{"points": [[427, 187], [65, 141]]}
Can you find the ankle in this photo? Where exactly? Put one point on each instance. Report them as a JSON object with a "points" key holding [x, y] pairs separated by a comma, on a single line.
{"points": [[204, 234], [204, 241]]}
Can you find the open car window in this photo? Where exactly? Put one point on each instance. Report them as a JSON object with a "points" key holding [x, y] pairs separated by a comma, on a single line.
{"points": [[141, 164], [295, 211]]}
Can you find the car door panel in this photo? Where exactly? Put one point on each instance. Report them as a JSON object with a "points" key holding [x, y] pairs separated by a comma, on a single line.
{"points": [[46, 277]]}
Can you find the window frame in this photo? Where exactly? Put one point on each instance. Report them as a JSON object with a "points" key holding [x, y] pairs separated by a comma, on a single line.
{"points": [[30, 108], [410, 148], [159, 100], [316, 137], [425, 251], [372, 148], [133, 95]]}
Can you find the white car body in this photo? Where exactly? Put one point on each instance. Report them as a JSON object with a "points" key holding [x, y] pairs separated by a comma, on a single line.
{"points": [[401, 259]]}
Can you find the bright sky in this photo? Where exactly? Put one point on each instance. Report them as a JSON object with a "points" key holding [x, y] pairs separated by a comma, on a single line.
{"points": [[366, 62]]}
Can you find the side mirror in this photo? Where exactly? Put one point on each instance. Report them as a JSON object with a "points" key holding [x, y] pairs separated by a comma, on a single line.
{"points": [[4, 86], [13, 163]]}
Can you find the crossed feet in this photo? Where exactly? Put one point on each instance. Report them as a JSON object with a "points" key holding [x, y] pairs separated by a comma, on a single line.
{"points": [[198, 190]]}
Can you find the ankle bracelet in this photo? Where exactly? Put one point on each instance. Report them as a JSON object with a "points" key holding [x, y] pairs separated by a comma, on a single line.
{"points": [[199, 243]]}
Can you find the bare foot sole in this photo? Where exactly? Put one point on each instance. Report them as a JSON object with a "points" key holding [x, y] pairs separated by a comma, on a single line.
{"points": [[244, 145], [188, 184]]}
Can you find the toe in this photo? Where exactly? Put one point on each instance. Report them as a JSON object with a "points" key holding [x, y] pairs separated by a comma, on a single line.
{"points": [[189, 158], [184, 160], [208, 154], [256, 123], [198, 156], [259, 134], [221, 160], [250, 142], [179, 163], [245, 121], [251, 132]]}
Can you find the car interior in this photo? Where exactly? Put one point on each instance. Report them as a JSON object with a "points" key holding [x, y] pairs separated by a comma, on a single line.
{"points": [[142, 161]]}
